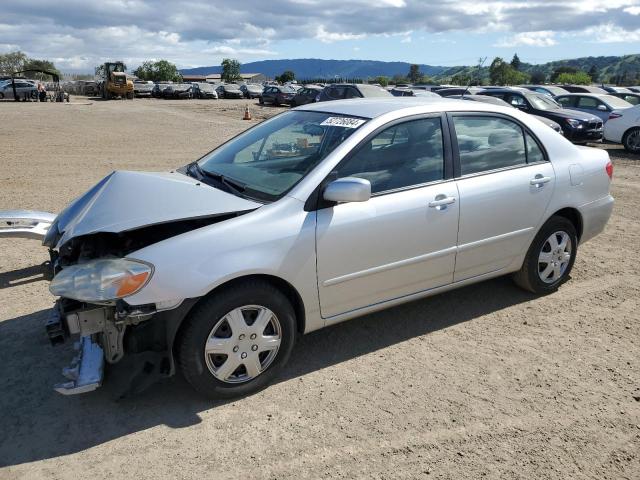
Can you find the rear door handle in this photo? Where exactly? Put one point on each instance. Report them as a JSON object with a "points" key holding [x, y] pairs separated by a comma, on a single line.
{"points": [[539, 180], [441, 201]]}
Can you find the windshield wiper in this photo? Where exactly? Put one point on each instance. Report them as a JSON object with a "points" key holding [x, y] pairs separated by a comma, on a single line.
{"points": [[230, 184]]}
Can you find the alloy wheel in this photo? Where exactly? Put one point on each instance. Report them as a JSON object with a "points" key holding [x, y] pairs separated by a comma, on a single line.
{"points": [[243, 344], [633, 140], [554, 257]]}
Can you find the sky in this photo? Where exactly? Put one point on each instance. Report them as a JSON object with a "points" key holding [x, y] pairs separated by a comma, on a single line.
{"points": [[77, 35]]}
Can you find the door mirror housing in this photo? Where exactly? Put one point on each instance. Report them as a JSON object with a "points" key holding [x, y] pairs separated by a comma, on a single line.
{"points": [[602, 108], [348, 189]]}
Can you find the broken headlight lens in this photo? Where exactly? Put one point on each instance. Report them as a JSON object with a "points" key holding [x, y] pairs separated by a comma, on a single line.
{"points": [[101, 280]]}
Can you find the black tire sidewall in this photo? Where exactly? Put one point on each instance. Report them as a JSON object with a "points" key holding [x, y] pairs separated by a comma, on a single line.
{"points": [[626, 139], [203, 318], [554, 224]]}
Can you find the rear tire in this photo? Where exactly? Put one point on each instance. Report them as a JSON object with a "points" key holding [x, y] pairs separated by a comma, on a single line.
{"points": [[549, 262], [204, 370], [631, 140]]}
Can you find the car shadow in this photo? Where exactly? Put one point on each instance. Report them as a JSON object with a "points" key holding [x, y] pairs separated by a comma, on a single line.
{"points": [[22, 276], [39, 423]]}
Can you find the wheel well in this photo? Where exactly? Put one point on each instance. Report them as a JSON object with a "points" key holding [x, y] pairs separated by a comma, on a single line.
{"points": [[282, 285], [627, 131], [573, 216]]}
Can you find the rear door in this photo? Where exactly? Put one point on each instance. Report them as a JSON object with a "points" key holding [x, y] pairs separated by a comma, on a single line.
{"points": [[505, 183]]}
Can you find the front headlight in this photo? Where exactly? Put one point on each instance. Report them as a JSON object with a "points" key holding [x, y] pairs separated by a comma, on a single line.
{"points": [[101, 280], [573, 123]]}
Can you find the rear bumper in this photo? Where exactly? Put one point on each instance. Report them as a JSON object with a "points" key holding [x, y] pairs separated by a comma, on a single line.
{"points": [[595, 216]]}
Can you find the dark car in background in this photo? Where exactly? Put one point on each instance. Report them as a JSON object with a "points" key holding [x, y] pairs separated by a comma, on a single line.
{"points": [[231, 90], [497, 101], [203, 90], [158, 89], [342, 91], [447, 92], [306, 94], [551, 90], [251, 90], [579, 127], [178, 91], [278, 95], [583, 89]]}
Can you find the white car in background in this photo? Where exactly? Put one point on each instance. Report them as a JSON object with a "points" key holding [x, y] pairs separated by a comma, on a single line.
{"points": [[624, 127], [321, 214]]}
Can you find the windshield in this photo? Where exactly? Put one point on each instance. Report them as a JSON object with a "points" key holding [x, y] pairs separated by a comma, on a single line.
{"points": [[271, 158], [288, 89], [543, 102], [616, 102], [205, 87]]}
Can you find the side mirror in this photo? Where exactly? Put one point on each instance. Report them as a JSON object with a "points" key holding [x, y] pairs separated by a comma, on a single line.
{"points": [[602, 108], [348, 189]]}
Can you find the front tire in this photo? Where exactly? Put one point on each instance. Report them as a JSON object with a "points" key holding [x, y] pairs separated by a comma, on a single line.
{"points": [[236, 340], [631, 140], [550, 257]]}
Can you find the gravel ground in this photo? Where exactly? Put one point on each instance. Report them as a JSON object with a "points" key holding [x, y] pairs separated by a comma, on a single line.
{"points": [[487, 381]]}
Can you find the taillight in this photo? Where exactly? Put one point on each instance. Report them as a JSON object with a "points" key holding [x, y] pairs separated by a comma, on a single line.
{"points": [[614, 115], [609, 169]]}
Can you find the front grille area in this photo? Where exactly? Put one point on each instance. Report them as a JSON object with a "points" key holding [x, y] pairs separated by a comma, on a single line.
{"points": [[594, 125]]}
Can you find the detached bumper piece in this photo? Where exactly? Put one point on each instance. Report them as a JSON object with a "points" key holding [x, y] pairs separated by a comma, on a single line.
{"points": [[86, 370], [25, 223]]}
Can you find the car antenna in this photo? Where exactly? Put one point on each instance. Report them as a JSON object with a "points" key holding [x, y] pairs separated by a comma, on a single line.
{"points": [[480, 63]]}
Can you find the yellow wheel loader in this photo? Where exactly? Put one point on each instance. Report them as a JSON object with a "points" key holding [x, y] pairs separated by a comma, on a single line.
{"points": [[113, 81]]}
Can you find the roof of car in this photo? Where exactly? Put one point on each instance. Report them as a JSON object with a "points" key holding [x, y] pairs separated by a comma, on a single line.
{"points": [[585, 94], [375, 107]]}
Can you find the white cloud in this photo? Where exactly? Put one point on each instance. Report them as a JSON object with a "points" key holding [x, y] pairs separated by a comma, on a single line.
{"points": [[330, 37], [543, 38], [406, 40], [632, 10]]}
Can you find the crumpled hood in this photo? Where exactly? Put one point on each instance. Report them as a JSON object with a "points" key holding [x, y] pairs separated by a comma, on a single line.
{"points": [[127, 200]]}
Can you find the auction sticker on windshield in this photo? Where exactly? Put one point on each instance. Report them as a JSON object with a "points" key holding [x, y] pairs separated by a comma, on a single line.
{"points": [[346, 122]]}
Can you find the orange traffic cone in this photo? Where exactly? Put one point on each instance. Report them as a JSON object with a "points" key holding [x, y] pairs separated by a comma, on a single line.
{"points": [[247, 113]]}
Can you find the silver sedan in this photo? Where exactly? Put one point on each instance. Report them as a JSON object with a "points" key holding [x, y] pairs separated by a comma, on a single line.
{"points": [[321, 214]]}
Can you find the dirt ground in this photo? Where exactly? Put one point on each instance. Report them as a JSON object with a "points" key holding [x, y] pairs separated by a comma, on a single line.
{"points": [[483, 382]]}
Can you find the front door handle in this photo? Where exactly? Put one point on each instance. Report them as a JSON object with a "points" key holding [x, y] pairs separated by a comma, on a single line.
{"points": [[441, 201], [539, 180]]}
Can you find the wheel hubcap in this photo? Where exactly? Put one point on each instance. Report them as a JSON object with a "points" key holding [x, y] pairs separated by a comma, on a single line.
{"points": [[554, 257], [243, 344]]}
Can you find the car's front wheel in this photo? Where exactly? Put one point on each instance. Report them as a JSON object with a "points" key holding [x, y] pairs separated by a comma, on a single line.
{"points": [[631, 140], [235, 341], [550, 257]]}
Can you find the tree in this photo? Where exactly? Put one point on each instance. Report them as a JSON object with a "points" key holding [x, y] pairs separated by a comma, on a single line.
{"points": [[593, 73], [502, 73], [461, 79], [34, 64], [12, 62], [560, 70], [538, 76], [383, 81], [287, 76], [230, 70], [515, 62], [414, 74], [160, 71], [578, 78]]}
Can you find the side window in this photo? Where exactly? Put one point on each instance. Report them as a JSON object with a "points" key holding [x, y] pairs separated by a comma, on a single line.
{"points": [[632, 100], [534, 153], [403, 155], [588, 102], [335, 93], [517, 100], [564, 101], [488, 143], [351, 92]]}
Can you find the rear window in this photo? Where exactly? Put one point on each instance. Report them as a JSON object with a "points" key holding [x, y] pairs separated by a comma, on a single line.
{"points": [[616, 102]]}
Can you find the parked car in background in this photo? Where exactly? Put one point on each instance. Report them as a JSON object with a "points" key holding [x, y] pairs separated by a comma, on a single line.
{"points": [[342, 91], [413, 92], [142, 88], [251, 90], [632, 97], [159, 88], [307, 220], [551, 90], [497, 101], [231, 90], [597, 104], [305, 95], [583, 89], [24, 89], [203, 90], [278, 95], [447, 92], [615, 89], [634, 89], [624, 127], [577, 126], [178, 91]]}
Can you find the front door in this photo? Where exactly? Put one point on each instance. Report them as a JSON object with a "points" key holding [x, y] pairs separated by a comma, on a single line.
{"points": [[505, 184], [402, 240]]}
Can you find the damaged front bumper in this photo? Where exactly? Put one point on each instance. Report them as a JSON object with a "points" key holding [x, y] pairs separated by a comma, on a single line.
{"points": [[25, 223]]}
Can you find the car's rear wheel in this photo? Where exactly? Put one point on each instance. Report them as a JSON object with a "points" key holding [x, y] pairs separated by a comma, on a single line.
{"points": [[550, 257], [631, 140], [235, 341], [261, 101]]}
